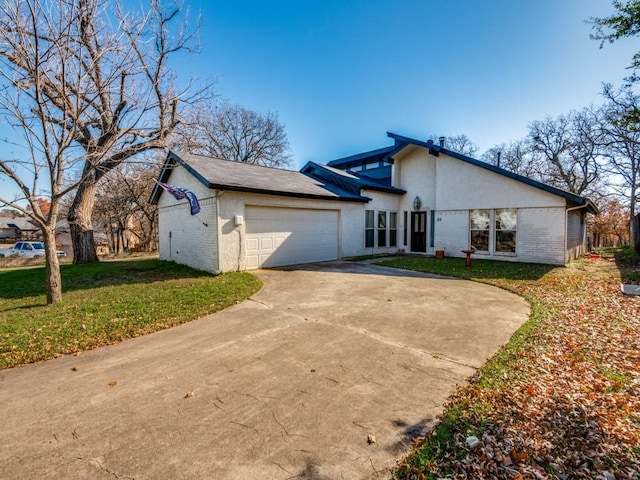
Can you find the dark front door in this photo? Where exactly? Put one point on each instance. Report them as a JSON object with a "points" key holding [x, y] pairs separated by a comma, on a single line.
{"points": [[419, 232]]}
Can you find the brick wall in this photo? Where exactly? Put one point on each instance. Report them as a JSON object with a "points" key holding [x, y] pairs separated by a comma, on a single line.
{"points": [[190, 240], [539, 237]]}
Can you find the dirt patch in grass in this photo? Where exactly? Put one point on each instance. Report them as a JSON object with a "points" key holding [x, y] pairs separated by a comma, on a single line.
{"points": [[562, 400]]}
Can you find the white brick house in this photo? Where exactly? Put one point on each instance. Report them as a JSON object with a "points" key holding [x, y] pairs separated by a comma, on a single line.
{"points": [[413, 197]]}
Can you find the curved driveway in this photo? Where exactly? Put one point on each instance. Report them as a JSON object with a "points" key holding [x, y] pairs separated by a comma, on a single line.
{"points": [[288, 384]]}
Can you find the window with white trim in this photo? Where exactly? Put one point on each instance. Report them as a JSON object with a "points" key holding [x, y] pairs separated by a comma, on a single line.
{"points": [[382, 229], [480, 223], [369, 228], [393, 229], [506, 222], [493, 231]]}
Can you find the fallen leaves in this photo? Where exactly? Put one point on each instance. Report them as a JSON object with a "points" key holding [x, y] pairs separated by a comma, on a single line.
{"points": [[571, 409]]}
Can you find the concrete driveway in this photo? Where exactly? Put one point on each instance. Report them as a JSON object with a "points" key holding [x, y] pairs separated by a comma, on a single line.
{"points": [[288, 384]]}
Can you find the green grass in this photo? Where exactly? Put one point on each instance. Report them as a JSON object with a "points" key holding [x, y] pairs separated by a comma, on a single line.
{"points": [[105, 303], [479, 270], [628, 262]]}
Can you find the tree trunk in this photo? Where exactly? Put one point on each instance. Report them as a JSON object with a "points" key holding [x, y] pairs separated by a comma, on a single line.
{"points": [[635, 241], [81, 227], [53, 286], [633, 228]]}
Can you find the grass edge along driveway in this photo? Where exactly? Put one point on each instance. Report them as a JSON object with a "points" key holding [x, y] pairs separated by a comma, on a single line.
{"points": [[562, 399], [105, 303]]}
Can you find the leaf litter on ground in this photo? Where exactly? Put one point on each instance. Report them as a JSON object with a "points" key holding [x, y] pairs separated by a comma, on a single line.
{"points": [[569, 403]]}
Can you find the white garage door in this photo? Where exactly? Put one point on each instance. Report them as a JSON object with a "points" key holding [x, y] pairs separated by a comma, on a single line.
{"points": [[288, 236]]}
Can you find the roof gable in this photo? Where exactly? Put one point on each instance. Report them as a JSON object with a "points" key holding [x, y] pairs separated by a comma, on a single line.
{"points": [[435, 149]]}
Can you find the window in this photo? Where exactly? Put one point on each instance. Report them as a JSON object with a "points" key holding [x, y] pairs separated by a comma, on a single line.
{"points": [[368, 228], [404, 229], [432, 229], [506, 221], [493, 230], [382, 229], [480, 223], [393, 229]]}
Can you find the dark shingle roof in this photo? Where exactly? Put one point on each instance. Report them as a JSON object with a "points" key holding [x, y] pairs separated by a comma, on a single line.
{"points": [[225, 175], [347, 180]]}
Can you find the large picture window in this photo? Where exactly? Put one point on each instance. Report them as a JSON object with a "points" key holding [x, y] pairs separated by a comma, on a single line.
{"points": [[494, 230], [369, 228], [382, 229], [480, 223], [506, 221]]}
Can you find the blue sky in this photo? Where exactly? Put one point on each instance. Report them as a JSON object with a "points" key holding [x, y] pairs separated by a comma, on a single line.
{"points": [[340, 74]]}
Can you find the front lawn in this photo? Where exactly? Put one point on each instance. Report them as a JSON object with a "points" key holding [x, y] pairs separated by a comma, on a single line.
{"points": [[105, 303], [562, 399]]}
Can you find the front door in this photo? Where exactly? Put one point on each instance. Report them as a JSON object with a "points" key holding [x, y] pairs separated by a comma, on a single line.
{"points": [[419, 232]]}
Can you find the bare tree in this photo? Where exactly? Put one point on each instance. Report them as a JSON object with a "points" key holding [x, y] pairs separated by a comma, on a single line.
{"points": [[49, 149], [515, 157], [122, 206], [622, 146], [127, 102], [568, 147], [233, 132], [458, 143]]}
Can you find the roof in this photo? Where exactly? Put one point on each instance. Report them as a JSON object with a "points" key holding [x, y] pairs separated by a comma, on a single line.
{"points": [[20, 223], [435, 149], [353, 182], [372, 155], [242, 177]]}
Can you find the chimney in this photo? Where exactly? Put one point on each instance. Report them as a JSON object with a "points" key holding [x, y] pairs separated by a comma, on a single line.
{"points": [[499, 155], [441, 140]]}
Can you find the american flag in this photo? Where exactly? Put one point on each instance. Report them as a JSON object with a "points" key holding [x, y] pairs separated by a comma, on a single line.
{"points": [[180, 193]]}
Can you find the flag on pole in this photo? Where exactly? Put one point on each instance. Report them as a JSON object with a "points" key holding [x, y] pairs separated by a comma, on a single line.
{"points": [[180, 193]]}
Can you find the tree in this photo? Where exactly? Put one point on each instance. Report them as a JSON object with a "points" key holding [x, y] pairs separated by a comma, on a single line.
{"points": [[610, 228], [458, 143], [568, 149], [233, 132], [622, 147], [112, 90], [122, 206], [624, 23], [49, 149], [515, 157]]}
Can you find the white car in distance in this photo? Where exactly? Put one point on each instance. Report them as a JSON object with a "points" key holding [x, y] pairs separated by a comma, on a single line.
{"points": [[27, 249]]}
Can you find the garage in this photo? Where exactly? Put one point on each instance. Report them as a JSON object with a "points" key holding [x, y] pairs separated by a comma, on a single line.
{"points": [[287, 236]]}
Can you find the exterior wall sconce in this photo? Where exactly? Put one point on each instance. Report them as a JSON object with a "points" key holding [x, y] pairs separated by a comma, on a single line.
{"points": [[417, 203]]}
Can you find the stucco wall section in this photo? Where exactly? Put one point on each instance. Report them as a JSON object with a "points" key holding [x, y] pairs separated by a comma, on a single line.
{"points": [[451, 232], [350, 228], [416, 174], [462, 186]]}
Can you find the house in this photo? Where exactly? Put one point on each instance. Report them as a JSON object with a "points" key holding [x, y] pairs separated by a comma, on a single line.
{"points": [[17, 228], [412, 196]]}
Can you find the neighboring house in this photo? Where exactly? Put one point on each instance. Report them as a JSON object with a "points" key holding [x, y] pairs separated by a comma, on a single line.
{"points": [[17, 228], [413, 197]]}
